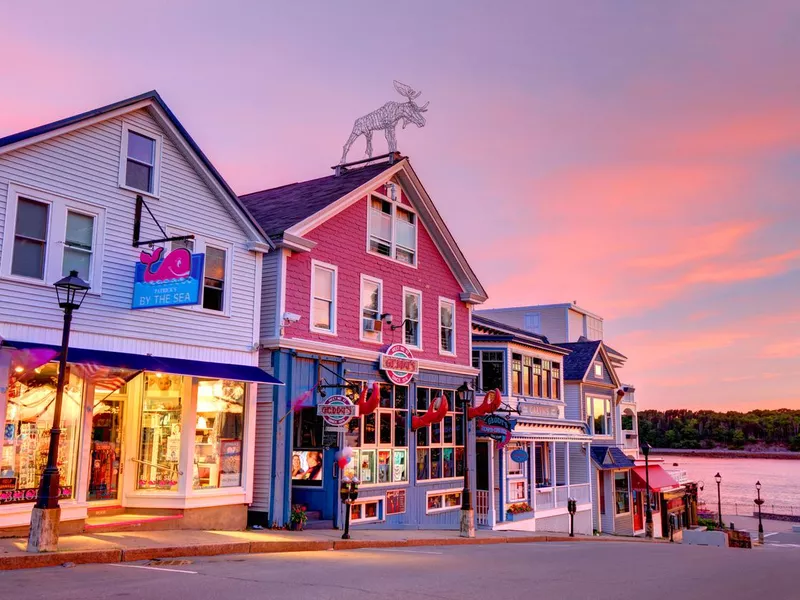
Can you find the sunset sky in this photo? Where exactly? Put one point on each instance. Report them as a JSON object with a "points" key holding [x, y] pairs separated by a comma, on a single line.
{"points": [[641, 158]]}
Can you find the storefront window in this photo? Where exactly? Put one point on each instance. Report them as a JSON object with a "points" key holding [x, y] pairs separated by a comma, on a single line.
{"points": [[542, 464], [440, 446], [380, 440], [160, 434], [219, 432], [26, 436], [621, 492]]}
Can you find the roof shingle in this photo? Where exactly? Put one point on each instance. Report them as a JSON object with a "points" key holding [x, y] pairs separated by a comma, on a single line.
{"points": [[577, 362]]}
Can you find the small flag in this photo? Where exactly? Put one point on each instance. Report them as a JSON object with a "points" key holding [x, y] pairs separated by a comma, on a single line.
{"points": [[304, 400], [102, 377]]}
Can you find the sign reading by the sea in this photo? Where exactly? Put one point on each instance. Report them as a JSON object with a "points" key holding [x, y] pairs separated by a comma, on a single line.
{"points": [[337, 411], [170, 280], [399, 364]]}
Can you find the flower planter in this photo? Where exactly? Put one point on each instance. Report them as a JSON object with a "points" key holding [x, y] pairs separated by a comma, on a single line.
{"points": [[518, 516]]}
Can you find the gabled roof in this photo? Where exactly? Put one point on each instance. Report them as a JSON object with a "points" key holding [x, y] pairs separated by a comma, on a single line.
{"points": [[613, 352], [281, 207], [488, 330], [581, 356], [151, 98], [610, 457], [289, 212]]}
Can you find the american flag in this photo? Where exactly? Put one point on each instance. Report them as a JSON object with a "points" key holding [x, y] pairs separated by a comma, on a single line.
{"points": [[103, 378]]}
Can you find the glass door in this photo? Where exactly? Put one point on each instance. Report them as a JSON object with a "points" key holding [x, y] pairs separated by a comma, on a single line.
{"points": [[160, 433], [108, 408]]}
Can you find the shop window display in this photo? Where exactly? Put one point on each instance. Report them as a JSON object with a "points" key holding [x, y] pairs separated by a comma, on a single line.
{"points": [[160, 435], [440, 446], [110, 396], [219, 432], [26, 434]]}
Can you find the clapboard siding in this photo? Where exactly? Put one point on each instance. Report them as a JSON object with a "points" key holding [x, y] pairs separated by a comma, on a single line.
{"points": [[574, 407], [83, 165], [269, 295], [576, 328], [554, 324], [262, 472], [577, 465]]}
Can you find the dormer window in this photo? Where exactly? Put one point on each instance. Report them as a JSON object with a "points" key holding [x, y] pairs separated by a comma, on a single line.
{"points": [[598, 370], [392, 230], [140, 158]]}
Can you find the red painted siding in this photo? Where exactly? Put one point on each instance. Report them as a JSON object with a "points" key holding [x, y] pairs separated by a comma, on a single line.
{"points": [[342, 241]]}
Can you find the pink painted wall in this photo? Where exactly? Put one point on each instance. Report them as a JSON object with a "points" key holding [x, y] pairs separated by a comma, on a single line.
{"points": [[342, 241]]}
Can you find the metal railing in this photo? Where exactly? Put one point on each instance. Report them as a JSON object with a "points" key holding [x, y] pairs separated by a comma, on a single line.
{"points": [[747, 509]]}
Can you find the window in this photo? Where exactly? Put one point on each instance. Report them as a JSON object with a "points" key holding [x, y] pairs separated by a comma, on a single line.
{"points": [[412, 307], [443, 500], [598, 415], [594, 328], [602, 491], [516, 374], [380, 440], [537, 377], [542, 465], [555, 388], [447, 336], [517, 473], [598, 370], [139, 161], [30, 239], [160, 433], [440, 446], [547, 389], [527, 375], [78, 243], [491, 365], [517, 490], [621, 493], [219, 432], [392, 230], [368, 510], [533, 322], [47, 236], [371, 307], [214, 280], [323, 297]]}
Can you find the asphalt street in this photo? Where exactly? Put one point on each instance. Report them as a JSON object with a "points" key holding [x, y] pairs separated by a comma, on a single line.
{"points": [[563, 571]]}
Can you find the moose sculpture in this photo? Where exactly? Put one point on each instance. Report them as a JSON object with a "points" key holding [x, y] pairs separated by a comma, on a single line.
{"points": [[386, 118]]}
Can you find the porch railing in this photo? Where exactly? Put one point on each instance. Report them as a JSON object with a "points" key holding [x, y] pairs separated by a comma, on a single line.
{"points": [[482, 507], [550, 498]]}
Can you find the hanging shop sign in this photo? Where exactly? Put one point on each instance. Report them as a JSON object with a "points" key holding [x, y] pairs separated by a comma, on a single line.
{"points": [[395, 502], [519, 456], [399, 364], [171, 279], [497, 428], [337, 411], [528, 409]]}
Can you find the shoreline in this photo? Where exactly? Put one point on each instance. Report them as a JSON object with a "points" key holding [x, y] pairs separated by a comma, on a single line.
{"points": [[784, 455]]}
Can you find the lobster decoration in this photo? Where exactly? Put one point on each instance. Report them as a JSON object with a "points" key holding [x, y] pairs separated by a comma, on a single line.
{"points": [[368, 405], [491, 402], [176, 265], [433, 414]]}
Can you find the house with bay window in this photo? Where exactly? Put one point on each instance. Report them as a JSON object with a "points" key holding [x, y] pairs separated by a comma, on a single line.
{"points": [[525, 478], [368, 299], [158, 417]]}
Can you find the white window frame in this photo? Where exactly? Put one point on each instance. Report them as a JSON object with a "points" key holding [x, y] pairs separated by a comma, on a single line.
{"points": [[598, 370], [607, 415], [393, 242], [334, 295], [515, 481], [199, 244], [123, 159], [56, 233], [381, 512], [442, 493], [361, 309], [452, 303], [408, 290]]}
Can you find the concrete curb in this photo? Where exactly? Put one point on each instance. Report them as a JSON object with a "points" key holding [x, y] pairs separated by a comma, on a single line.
{"points": [[116, 555]]}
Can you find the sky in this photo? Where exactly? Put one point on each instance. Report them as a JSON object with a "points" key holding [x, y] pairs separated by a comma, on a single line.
{"points": [[641, 158]]}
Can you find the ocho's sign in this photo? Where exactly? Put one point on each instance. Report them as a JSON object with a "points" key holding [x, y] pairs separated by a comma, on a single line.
{"points": [[172, 279], [399, 364], [495, 427], [337, 411]]}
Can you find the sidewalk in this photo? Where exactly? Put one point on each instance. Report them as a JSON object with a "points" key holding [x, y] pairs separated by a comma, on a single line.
{"points": [[146, 545]]}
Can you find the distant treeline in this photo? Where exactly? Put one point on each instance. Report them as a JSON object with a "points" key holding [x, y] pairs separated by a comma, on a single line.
{"points": [[710, 429]]}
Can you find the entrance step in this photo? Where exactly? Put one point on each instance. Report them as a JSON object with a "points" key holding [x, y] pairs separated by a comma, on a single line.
{"points": [[131, 521], [319, 524], [105, 511], [313, 515]]}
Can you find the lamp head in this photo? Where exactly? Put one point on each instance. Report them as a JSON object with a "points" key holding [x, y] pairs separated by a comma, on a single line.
{"points": [[718, 478], [71, 290], [646, 449], [465, 391], [758, 485]]}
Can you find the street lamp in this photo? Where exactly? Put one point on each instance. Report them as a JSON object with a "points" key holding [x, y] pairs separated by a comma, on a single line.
{"points": [[759, 502], [718, 479], [45, 516], [648, 519], [465, 393]]}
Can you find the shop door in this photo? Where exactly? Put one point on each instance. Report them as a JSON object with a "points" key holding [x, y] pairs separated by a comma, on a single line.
{"points": [[108, 408], [638, 524], [482, 482]]}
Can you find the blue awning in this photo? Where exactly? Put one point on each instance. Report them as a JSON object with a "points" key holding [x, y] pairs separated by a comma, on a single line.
{"points": [[159, 364], [610, 457]]}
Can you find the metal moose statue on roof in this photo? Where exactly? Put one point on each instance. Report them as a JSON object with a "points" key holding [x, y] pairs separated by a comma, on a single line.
{"points": [[386, 118]]}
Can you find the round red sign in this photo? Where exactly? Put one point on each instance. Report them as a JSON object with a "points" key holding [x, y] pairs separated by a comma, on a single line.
{"points": [[399, 364]]}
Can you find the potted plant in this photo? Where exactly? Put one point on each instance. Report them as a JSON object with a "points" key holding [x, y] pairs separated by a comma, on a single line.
{"points": [[298, 517], [518, 509]]}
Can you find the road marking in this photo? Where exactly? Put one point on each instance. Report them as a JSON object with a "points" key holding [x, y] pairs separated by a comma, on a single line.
{"points": [[399, 550], [153, 568], [766, 535]]}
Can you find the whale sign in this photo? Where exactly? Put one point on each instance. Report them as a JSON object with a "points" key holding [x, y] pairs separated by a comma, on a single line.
{"points": [[171, 279]]}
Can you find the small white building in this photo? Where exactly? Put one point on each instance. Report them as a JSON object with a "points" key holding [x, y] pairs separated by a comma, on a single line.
{"points": [[159, 407]]}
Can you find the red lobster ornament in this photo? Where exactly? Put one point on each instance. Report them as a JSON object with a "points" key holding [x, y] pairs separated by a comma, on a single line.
{"points": [[491, 402]]}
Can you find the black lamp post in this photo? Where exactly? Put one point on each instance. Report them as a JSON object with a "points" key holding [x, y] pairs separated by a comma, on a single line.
{"points": [[465, 393], [648, 512], [759, 502], [718, 479], [349, 494], [43, 536]]}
